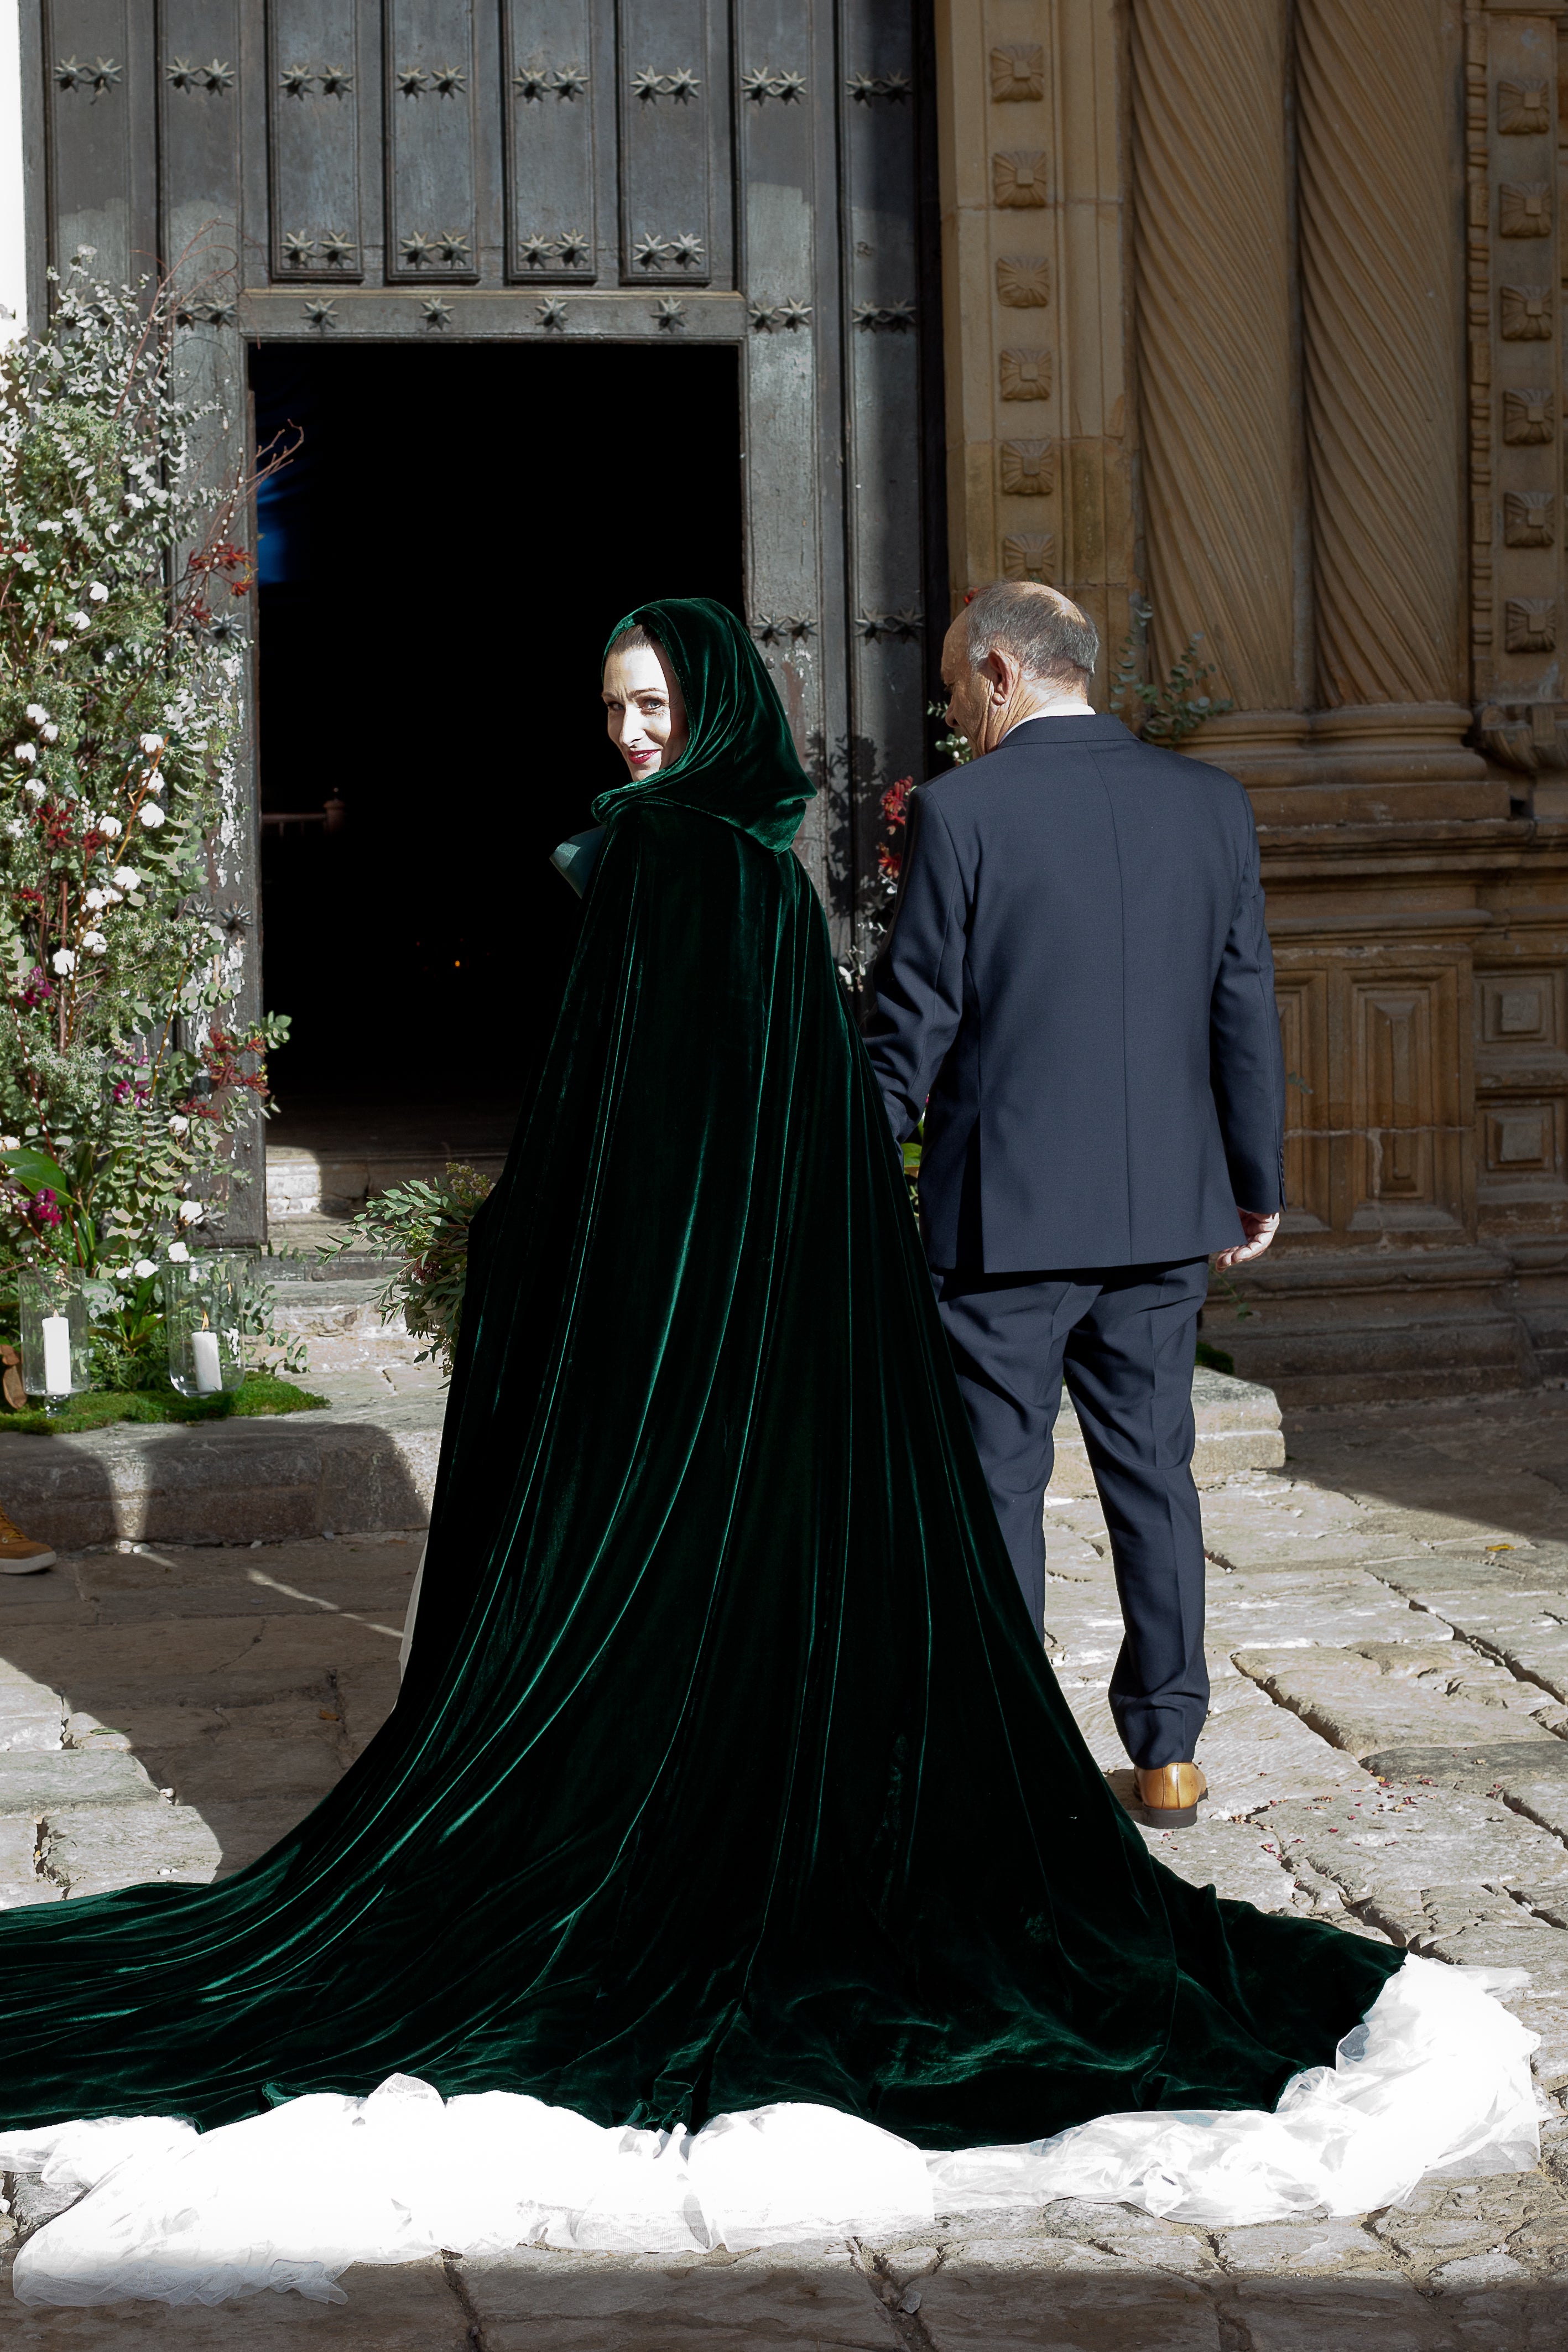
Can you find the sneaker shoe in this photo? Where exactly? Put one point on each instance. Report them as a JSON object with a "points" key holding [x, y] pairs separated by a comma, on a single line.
{"points": [[19, 1555]]}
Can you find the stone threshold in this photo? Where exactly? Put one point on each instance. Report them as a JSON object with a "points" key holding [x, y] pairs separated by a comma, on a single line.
{"points": [[369, 1467]]}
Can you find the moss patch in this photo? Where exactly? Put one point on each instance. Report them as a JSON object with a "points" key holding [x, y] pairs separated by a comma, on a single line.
{"points": [[97, 1408]]}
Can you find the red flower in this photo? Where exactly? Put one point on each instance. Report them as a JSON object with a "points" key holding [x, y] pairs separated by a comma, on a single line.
{"points": [[889, 862], [895, 800]]}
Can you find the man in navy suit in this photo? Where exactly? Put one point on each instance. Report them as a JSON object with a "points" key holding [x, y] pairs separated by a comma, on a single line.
{"points": [[1077, 996]]}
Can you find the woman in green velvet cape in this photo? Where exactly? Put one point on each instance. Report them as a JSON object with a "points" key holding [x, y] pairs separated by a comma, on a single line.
{"points": [[728, 1768]]}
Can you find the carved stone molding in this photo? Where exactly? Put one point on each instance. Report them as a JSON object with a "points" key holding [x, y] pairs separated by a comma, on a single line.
{"points": [[1027, 468], [552, 314], [1524, 314], [1529, 518], [1530, 625], [1023, 280], [1018, 71], [1019, 179], [1025, 376], [1029, 555], [669, 314], [1523, 108], [1529, 417], [1524, 210], [1381, 340], [1211, 248]]}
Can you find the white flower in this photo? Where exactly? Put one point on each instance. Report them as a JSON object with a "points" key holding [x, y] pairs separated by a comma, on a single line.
{"points": [[152, 816], [144, 1268], [36, 713], [49, 731], [178, 1125], [94, 942], [27, 751], [191, 1213], [152, 744], [79, 620], [37, 791], [114, 897], [95, 898], [109, 826], [10, 1143], [63, 960], [16, 827], [179, 1252], [59, 644], [98, 592], [125, 878]]}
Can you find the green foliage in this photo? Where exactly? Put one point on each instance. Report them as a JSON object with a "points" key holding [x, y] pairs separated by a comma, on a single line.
{"points": [[260, 1393], [123, 1070], [953, 748], [424, 1227], [1215, 1359], [1169, 712]]}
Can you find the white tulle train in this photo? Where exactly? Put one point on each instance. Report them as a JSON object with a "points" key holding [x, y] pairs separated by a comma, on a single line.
{"points": [[1435, 2078]]}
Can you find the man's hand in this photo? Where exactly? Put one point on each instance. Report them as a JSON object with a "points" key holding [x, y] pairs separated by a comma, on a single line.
{"points": [[1260, 1232]]}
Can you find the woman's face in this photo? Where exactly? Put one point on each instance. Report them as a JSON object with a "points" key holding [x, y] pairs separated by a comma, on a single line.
{"points": [[644, 709]]}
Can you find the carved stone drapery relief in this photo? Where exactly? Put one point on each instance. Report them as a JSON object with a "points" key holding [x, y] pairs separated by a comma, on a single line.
{"points": [[1381, 335], [1211, 244]]}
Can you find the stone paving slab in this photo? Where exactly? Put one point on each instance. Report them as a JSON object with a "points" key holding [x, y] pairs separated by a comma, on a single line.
{"points": [[245, 1680]]}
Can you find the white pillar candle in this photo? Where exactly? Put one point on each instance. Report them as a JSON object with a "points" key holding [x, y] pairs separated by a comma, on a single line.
{"points": [[209, 1368], [56, 1355]]}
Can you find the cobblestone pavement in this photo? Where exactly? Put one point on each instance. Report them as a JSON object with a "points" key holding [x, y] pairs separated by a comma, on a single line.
{"points": [[1388, 1750]]}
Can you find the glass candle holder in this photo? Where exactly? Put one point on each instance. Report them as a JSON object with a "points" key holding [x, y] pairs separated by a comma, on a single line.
{"points": [[56, 1344], [204, 1318]]}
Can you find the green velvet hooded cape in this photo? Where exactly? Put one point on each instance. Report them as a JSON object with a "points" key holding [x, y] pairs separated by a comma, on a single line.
{"points": [[728, 1768]]}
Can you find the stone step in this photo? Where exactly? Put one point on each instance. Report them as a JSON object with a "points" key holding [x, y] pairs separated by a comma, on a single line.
{"points": [[302, 1181], [367, 1464]]}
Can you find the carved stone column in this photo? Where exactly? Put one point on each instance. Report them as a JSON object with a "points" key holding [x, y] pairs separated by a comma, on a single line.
{"points": [[1217, 406], [1380, 240]]}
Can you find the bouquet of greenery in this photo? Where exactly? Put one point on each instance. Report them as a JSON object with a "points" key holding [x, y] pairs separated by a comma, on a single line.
{"points": [[424, 1228], [124, 1068]]}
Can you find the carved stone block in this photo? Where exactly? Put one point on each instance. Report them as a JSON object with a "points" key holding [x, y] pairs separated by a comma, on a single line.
{"points": [[1018, 70], [1528, 416], [1018, 179], [1519, 1137], [1524, 209], [1023, 281], [1026, 376], [1029, 555], [1529, 518], [1523, 106], [1530, 625], [1028, 468], [1526, 314]]}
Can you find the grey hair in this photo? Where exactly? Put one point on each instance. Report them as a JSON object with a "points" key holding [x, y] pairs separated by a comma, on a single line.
{"points": [[1043, 630], [631, 641]]}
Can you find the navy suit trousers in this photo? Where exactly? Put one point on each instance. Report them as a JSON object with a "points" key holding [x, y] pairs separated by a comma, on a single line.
{"points": [[1122, 1337]]}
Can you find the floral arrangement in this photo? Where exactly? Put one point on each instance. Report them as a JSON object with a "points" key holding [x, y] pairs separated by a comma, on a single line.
{"points": [[124, 1067], [1177, 707]]}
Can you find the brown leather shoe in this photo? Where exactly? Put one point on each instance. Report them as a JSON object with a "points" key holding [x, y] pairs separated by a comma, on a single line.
{"points": [[19, 1555], [1170, 1794]]}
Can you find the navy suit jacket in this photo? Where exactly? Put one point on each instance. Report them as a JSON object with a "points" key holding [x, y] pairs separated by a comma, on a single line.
{"points": [[1078, 978]]}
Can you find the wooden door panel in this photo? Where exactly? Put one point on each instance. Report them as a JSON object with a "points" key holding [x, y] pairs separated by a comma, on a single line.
{"points": [[432, 210], [666, 100], [552, 98], [313, 109]]}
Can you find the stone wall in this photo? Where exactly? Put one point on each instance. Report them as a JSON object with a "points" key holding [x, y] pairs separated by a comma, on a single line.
{"points": [[1255, 308]]}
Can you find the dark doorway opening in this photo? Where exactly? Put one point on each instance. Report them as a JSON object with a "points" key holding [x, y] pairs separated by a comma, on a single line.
{"points": [[439, 567]]}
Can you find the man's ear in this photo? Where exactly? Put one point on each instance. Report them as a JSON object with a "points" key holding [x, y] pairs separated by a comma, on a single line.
{"points": [[996, 668]]}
